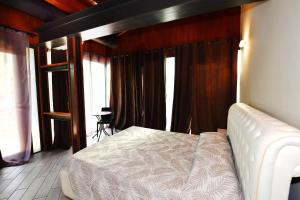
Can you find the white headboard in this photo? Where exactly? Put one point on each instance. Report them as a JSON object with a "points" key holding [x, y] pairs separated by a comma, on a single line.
{"points": [[266, 153]]}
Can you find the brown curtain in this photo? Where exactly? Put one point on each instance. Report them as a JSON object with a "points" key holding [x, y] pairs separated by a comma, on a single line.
{"points": [[213, 85], [123, 99], [137, 90], [154, 89], [212, 82], [182, 101]]}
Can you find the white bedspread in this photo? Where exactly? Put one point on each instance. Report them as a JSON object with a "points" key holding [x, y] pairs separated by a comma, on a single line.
{"points": [[140, 163]]}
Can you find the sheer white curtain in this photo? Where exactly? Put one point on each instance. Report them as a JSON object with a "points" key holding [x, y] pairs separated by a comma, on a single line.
{"points": [[95, 89], [15, 108]]}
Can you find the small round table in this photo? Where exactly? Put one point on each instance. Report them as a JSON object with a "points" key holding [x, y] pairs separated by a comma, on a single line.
{"points": [[98, 116]]}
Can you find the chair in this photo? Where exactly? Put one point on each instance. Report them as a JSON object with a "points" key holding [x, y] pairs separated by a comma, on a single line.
{"points": [[105, 119]]}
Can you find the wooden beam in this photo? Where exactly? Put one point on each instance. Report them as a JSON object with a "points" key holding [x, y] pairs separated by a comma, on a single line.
{"points": [[19, 20], [68, 6], [116, 16], [38, 9], [43, 99], [77, 93], [58, 115]]}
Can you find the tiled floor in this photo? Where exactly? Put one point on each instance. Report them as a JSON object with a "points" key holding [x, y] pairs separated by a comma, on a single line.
{"points": [[38, 179]]}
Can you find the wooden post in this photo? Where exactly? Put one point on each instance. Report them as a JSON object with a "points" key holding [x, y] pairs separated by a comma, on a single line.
{"points": [[43, 98], [77, 93]]}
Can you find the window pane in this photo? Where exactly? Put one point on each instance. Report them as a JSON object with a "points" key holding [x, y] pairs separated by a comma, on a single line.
{"points": [[96, 83], [34, 106], [98, 86], [170, 76], [50, 86], [90, 120], [107, 84]]}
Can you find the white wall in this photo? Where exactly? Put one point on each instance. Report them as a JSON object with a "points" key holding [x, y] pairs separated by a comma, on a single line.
{"points": [[270, 76]]}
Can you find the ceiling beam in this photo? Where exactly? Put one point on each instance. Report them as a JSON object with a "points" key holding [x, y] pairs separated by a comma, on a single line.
{"points": [[36, 8], [68, 6], [89, 2], [114, 16], [19, 20]]}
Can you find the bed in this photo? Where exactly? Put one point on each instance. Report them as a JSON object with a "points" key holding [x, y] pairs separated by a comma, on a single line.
{"points": [[255, 161]]}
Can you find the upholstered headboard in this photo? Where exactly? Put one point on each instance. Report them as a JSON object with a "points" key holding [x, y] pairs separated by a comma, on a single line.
{"points": [[266, 153]]}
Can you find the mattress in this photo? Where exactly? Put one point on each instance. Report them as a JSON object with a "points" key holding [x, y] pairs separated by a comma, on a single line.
{"points": [[140, 163]]}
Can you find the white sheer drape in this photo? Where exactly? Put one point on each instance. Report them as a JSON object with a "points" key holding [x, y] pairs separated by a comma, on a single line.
{"points": [[15, 108], [95, 89]]}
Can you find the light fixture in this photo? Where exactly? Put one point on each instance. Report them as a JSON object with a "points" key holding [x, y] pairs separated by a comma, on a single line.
{"points": [[242, 44]]}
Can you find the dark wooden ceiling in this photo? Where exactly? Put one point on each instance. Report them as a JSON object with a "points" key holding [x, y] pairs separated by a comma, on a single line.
{"points": [[50, 10], [36, 8], [106, 18], [116, 16], [72, 6]]}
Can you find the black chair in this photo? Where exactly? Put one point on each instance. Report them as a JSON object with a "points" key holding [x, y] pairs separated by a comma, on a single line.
{"points": [[105, 119]]}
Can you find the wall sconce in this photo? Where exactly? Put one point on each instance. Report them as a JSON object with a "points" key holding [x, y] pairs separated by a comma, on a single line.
{"points": [[242, 44]]}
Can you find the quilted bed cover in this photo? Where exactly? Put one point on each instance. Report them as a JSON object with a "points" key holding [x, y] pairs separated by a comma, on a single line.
{"points": [[140, 163]]}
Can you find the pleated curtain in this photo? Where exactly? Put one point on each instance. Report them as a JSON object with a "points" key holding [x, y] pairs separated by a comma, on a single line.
{"points": [[15, 105], [205, 85], [138, 90]]}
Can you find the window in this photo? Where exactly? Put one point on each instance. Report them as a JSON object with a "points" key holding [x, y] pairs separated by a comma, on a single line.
{"points": [[238, 84], [169, 80], [50, 87], [107, 82], [10, 143], [35, 130], [97, 86], [96, 76]]}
